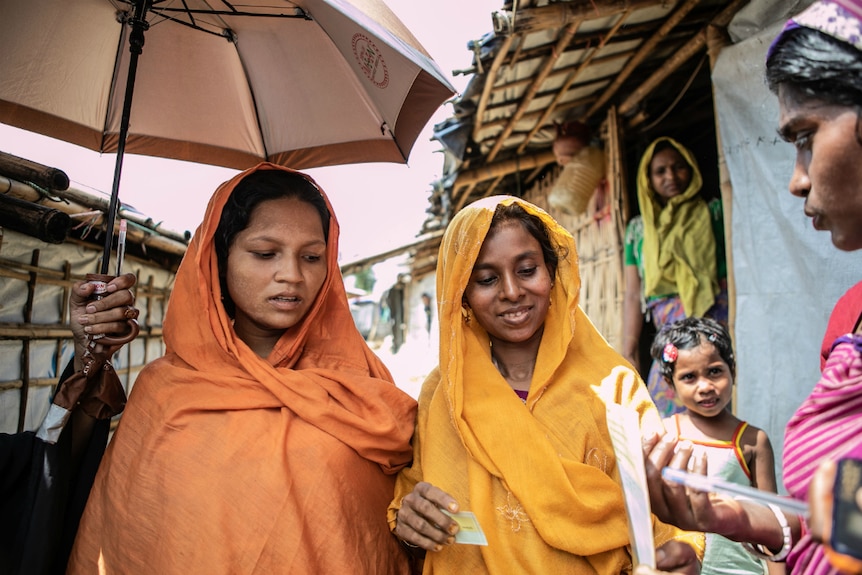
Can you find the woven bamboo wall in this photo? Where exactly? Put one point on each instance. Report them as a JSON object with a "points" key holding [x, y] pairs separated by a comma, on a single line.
{"points": [[35, 337], [598, 241]]}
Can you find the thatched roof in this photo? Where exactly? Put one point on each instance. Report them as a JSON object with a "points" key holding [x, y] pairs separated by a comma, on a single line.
{"points": [[553, 62]]}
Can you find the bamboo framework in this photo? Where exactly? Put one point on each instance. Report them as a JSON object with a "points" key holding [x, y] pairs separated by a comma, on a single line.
{"points": [[35, 333], [558, 61]]}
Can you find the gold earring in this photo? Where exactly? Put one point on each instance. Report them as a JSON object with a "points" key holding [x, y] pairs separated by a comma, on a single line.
{"points": [[465, 313]]}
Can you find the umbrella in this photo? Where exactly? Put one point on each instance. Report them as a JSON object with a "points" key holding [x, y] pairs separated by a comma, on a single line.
{"points": [[305, 84]]}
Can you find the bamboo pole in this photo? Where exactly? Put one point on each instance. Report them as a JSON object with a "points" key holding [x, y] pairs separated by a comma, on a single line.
{"points": [[490, 79], [566, 70], [43, 331], [527, 98], [493, 186], [46, 224], [535, 115], [52, 381], [28, 171], [717, 39], [463, 193], [143, 232], [20, 271], [561, 14], [571, 80], [641, 55], [488, 172], [695, 44], [354, 266]]}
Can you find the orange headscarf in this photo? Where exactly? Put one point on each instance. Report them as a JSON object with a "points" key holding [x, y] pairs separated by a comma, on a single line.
{"points": [[225, 462]]}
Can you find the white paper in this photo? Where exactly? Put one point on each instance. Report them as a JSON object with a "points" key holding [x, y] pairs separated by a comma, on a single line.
{"points": [[624, 427]]}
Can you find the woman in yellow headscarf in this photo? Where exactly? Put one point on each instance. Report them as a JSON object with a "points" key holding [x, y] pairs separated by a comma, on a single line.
{"points": [[267, 439], [512, 423], [674, 255]]}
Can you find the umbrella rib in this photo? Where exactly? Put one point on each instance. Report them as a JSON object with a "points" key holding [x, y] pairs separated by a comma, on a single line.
{"points": [[165, 13], [300, 13], [188, 11]]}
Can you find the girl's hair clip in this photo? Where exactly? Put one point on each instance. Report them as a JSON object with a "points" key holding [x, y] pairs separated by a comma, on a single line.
{"points": [[669, 353]]}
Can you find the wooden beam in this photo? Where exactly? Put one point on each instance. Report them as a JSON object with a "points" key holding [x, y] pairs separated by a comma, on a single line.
{"points": [[79, 203], [535, 115], [27, 171], [546, 68], [492, 187], [564, 71], [694, 45], [641, 55], [510, 166], [462, 196], [571, 80], [53, 331], [717, 39], [490, 79], [360, 264], [561, 14]]}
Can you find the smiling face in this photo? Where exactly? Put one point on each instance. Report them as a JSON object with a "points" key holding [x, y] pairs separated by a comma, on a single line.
{"points": [[510, 285], [669, 174], [275, 268], [703, 381], [827, 173]]}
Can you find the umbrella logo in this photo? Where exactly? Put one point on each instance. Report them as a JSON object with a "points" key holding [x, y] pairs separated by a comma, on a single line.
{"points": [[370, 60]]}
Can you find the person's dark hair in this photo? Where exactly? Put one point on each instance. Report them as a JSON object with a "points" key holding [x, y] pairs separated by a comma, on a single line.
{"points": [[255, 188], [813, 65], [689, 333], [535, 227], [661, 147]]}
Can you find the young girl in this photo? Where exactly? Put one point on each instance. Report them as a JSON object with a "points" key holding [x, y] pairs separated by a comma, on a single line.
{"points": [[696, 360]]}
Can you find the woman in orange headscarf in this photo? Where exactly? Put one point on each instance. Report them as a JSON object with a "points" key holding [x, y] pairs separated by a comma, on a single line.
{"points": [[512, 425], [267, 438]]}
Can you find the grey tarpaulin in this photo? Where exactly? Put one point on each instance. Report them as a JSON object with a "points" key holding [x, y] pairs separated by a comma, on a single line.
{"points": [[787, 275]]}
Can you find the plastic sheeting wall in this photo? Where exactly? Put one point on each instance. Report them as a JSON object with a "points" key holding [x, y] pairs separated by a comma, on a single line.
{"points": [[787, 275], [48, 355]]}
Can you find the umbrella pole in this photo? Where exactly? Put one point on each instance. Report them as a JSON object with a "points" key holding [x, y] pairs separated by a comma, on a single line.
{"points": [[136, 46]]}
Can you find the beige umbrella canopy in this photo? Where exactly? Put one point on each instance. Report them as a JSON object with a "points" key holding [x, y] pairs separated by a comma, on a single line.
{"points": [[304, 84]]}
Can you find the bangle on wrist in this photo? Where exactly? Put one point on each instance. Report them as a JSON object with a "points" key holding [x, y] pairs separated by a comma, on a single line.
{"points": [[408, 544], [414, 550], [760, 551]]}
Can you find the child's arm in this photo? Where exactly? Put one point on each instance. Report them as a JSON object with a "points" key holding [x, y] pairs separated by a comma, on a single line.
{"points": [[763, 477], [762, 465]]}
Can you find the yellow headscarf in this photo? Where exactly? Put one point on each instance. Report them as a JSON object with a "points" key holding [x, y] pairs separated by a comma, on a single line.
{"points": [[541, 477], [679, 244]]}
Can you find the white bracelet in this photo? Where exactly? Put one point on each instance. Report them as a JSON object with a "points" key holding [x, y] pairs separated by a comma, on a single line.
{"points": [[760, 551]]}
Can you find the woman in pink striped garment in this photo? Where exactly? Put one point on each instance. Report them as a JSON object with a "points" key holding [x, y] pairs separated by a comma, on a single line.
{"points": [[815, 68]]}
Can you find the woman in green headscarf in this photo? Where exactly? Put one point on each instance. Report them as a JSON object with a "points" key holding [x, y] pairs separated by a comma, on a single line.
{"points": [[674, 254]]}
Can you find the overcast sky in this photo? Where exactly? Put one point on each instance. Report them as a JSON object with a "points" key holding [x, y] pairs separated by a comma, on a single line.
{"points": [[379, 206]]}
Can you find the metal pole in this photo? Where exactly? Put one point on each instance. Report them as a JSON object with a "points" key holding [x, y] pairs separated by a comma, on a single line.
{"points": [[136, 46]]}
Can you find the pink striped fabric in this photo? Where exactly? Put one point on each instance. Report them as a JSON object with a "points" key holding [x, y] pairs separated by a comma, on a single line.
{"points": [[828, 425]]}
